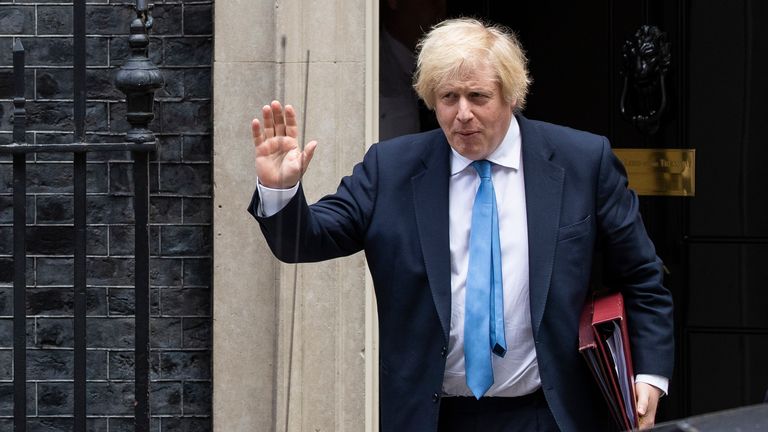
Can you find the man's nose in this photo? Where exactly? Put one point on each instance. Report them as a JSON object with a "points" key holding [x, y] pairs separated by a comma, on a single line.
{"points": [[465, 110]]}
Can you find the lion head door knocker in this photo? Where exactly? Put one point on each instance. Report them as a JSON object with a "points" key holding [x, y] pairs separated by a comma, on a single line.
{"points": [[645, 62]]}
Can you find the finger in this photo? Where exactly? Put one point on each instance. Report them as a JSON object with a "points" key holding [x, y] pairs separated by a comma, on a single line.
{"points": [[291, 123], [258, 138], [269, 123], [277, 114], [644, 424], [309, 151], [647, 421]]}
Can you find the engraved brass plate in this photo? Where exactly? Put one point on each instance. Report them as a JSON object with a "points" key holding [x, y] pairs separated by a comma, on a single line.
{"points": [[660, 172]]}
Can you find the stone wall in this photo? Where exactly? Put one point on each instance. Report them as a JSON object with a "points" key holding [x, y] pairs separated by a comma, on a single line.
{"points": [[259, 338], [181, 218]]}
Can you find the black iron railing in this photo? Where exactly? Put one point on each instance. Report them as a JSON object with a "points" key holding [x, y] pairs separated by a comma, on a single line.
{"points": [[138, 78]]}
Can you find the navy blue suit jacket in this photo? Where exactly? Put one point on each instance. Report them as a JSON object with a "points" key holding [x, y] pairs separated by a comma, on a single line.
{"points": [[394, 206]]}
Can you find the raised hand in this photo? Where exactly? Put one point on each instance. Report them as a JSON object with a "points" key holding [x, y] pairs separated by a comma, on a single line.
{"points": [[280, 162]]}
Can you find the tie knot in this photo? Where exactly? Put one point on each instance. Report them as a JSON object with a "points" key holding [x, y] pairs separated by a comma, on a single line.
{"points": [[483, 168]]}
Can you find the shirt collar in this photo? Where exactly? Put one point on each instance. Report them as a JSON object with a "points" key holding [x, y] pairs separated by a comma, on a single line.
{"points": [[506, 155]]}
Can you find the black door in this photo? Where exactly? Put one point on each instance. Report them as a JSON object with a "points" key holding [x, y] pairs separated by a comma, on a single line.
{"points": [[714, 245]]}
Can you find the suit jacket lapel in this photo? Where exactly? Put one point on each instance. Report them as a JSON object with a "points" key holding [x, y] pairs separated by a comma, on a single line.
{"points": [[543, 196], [430, 195]]}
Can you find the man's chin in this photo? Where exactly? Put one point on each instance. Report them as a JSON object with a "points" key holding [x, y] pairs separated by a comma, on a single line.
{"points": [[469, 148], [472, 153]]}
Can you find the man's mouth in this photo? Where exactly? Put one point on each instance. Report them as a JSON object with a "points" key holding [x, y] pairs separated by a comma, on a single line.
{"points": [[466, 133]]}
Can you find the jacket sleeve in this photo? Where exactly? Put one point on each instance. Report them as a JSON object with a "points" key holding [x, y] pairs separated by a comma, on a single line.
{"points": [[631, 266], [333, 227]]}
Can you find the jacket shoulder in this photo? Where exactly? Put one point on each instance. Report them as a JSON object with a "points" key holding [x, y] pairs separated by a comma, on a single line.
{"points": [[410, 150], [564, 136], [411, 143]]}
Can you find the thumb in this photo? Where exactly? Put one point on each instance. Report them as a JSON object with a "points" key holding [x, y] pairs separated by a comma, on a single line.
{"points": [[309, 151], [642, 400]]}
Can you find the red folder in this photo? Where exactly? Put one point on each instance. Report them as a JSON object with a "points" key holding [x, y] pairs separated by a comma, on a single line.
{"points": [[604, 343]]}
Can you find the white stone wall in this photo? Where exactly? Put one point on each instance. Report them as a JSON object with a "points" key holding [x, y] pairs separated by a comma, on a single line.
{"points": [[260, 51]]}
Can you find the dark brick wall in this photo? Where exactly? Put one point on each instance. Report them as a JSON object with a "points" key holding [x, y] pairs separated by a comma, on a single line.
{"points": [[181, 213]]}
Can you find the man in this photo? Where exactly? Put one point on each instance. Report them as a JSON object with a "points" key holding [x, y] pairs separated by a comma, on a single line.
{"points": [[546, 200]]}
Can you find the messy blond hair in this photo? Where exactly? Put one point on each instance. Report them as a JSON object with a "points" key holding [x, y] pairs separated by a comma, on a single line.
{"points": [[457, 46]]}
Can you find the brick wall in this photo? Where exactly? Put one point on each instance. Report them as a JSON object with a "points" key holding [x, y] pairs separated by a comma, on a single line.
{"points": [[181, 211]]}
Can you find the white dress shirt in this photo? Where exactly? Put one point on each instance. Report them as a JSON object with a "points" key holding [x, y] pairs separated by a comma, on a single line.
{"points": [[517, 373]]}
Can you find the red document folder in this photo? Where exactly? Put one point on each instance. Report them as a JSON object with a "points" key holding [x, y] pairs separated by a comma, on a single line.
{"points": [[604, 343]]}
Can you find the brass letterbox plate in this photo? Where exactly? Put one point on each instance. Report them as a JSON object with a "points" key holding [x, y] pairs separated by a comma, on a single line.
{"points": [[660, 172]]}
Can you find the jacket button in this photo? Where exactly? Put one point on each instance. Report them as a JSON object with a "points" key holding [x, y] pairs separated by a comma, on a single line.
{"points": [[435, 397], [444, 352]]}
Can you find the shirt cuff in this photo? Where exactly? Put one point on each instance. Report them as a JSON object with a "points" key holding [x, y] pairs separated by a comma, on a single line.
{"points": [[660, 382], [271, 200]]}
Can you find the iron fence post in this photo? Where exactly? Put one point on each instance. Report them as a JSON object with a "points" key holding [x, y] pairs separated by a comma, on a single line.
{"points": [[19, 112], [19, 247], [80, 224], [138, 78]]}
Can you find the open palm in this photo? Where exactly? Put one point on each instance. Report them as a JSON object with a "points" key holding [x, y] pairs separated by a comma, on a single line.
{"points": [[280, 162]]}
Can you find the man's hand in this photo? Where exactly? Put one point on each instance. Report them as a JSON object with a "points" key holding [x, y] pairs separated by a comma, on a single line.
{"points": [[647, 400], [280, 163]]}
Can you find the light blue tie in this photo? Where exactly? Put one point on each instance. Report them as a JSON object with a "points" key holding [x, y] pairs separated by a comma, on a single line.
{"points": [[484, 304]]}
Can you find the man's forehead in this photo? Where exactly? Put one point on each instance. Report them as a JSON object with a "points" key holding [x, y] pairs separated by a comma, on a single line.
{"points": [[471, 74], [469, 83]]}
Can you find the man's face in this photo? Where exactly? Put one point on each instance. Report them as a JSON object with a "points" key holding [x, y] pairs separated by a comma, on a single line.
{"points": [[473, 113]]}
